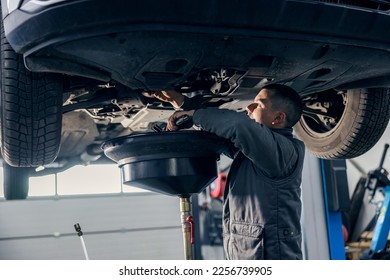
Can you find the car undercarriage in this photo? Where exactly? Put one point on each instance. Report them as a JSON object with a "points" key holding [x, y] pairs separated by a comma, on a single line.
{"points": [[77, 73]]}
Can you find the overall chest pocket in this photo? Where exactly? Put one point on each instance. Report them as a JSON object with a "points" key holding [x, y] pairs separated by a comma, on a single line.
{"points": [[246, 241]]}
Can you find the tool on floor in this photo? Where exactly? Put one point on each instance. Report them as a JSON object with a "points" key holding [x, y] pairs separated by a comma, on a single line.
{"points": [[77, 227]]}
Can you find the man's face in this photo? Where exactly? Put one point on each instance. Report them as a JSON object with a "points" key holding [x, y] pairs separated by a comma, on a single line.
{"points": [[260, 109]]}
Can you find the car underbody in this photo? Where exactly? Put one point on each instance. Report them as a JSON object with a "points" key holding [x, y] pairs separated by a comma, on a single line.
{"points": [[90, 65]]}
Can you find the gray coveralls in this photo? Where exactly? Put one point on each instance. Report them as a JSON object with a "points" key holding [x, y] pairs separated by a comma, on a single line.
{"points": [[262, 205]]}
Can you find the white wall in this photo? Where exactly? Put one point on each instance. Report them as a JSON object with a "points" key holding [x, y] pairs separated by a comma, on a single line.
{"points": [[127, 226]]}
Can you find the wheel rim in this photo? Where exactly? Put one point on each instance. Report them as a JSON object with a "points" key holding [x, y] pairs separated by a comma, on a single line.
{"points": [[322, 113]]}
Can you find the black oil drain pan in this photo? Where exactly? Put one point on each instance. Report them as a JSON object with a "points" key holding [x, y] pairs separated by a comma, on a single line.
{"points": [[177, 163]]}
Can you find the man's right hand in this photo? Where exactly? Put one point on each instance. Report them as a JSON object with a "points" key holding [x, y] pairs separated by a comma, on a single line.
{"points": [[171, 123], [173, 97]]}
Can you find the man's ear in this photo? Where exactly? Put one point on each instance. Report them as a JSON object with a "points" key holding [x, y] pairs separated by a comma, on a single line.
{"points": [[280, 118]]}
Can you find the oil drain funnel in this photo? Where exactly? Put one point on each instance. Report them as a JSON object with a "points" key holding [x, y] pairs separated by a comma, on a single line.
{"points": [[179, 163]]}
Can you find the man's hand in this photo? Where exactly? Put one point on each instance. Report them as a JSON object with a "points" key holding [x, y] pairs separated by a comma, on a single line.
{"points": [[173, 97], [171, 123]]}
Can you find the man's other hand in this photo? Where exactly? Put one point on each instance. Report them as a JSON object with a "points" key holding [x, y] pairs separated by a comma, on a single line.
{"points": [[173, 97]]}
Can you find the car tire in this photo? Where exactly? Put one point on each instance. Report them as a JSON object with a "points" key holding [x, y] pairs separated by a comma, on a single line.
{"points": [[15, 182], [361, 118], [30, 111]]}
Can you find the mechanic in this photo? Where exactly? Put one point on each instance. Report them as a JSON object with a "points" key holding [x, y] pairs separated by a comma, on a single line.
{"points": [[262, 204]]}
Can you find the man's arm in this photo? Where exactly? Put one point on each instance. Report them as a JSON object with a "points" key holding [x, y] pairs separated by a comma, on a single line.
{"points": [[274, 154]]}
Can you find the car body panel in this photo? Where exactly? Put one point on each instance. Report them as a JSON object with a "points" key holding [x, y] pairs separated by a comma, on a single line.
{"points": [[309, 45]]}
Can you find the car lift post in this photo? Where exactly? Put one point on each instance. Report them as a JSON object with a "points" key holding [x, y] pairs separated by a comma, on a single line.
{"points": [[336, 198], [382, 227]]}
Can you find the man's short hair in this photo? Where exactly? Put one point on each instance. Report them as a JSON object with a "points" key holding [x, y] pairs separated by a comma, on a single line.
{"points": [[284, 98]]}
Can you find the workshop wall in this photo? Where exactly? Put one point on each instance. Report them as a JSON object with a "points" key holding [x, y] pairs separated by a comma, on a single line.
{"points": [[124, 226]]}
